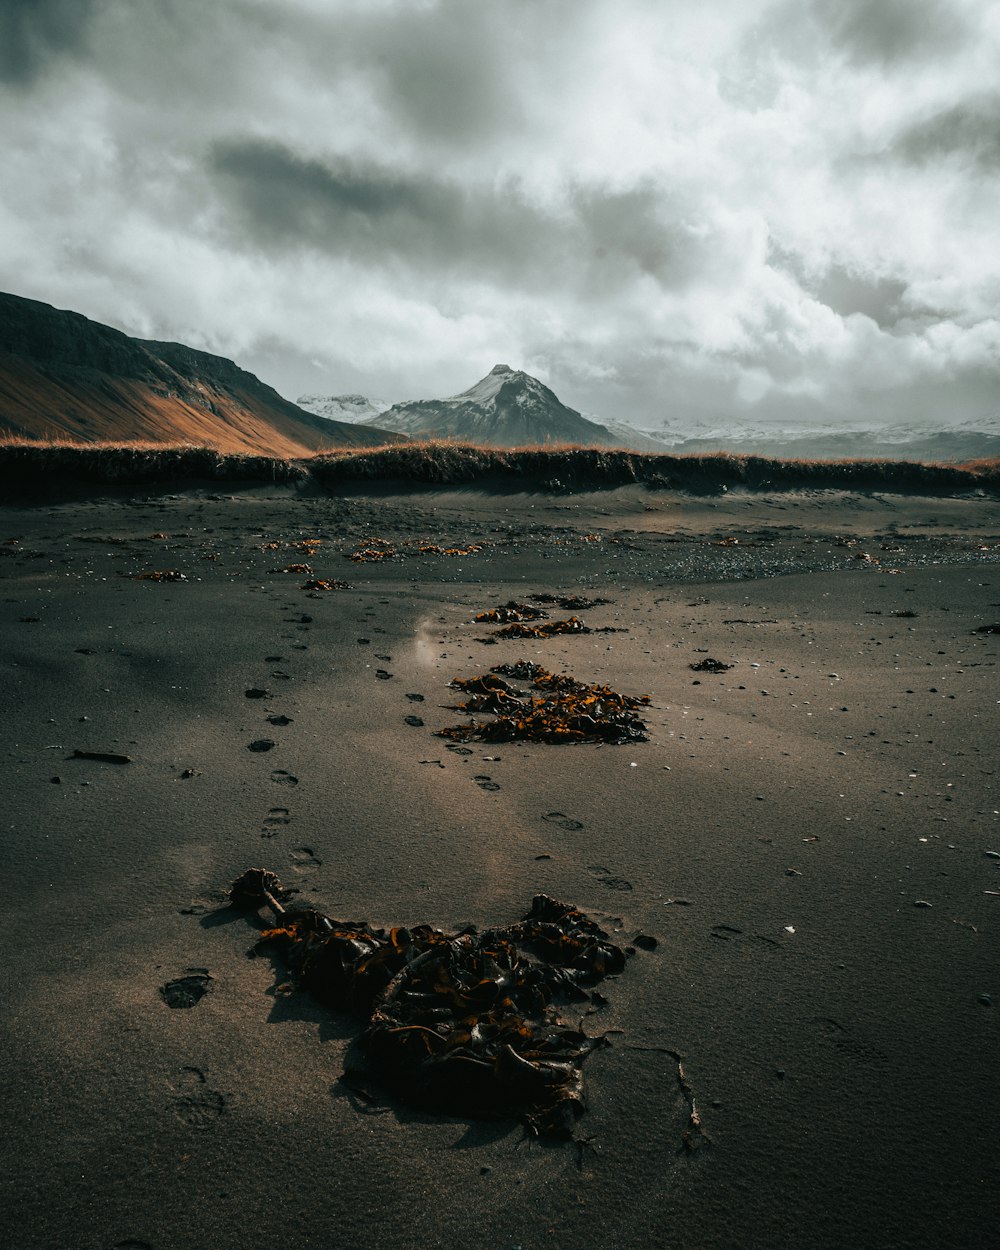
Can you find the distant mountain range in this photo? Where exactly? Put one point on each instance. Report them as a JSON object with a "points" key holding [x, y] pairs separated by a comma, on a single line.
{"points": [[63, 376], [509, 408], [970, 440]]}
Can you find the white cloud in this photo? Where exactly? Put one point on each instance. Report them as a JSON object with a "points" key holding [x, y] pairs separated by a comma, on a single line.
{"points": [[658, 206]]}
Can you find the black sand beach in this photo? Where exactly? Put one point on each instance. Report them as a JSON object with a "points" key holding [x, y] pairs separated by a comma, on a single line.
{"points": [[811, 835]]}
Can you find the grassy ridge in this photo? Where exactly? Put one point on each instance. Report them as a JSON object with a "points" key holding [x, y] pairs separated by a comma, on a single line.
{"points": [[30, 468]]}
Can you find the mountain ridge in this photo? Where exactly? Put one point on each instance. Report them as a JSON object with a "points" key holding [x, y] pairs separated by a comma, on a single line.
{"points": [[506, 408], [64, 376]]}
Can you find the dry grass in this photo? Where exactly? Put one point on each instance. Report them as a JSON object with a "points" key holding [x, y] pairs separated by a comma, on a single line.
{"points": [[27, 468]]}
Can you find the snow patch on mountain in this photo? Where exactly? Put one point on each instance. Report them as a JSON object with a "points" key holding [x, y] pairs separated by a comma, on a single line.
{"points": [[356, 409]]}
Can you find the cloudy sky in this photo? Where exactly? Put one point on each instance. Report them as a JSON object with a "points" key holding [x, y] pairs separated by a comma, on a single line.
{"points": [[666, 210]]}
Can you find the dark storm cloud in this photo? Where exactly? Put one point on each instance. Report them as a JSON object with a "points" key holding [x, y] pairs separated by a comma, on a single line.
{"points": [[369, 212], [969, 131], [34, 32], [372, 213], [447, 74], [871, 34], [890, 31]]}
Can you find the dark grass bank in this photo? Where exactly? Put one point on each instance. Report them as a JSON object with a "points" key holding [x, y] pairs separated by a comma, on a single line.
{"points": [[30, 470]]}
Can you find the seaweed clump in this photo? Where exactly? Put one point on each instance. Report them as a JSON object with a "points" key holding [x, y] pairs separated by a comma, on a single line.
{"points": [[377, 550], [161, 575], [509, 612], [325, 583], [547, 629], [461, 1023], [570, 603], [564, 711], [708, 665]]}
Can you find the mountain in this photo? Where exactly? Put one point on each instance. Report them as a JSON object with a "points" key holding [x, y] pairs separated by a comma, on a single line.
{"points": [[969, 440], [63, 376], [507, 408], [354, 409]]}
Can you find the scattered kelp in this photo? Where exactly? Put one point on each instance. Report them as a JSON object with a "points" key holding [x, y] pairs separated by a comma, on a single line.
{"points": [[432, 549], [548, 629], [523, 670], [161, 575], [570, 603], [456, 1023], [566, 711], [294, 568], [511, 611], [708, 665], [308, 545], [325, 583], [376, 550]]}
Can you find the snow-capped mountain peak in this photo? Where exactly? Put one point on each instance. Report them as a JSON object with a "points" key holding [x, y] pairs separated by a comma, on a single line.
{"points": [[358, 409], [506, 408]]}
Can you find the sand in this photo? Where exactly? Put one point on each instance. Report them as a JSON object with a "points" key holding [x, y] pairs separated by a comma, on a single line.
{"points": [[812, 836]]}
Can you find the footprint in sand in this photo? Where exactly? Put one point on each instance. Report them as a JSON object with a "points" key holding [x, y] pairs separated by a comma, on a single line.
{"points": [[304, 860], [458, 750], [855, 1049], [195, 1102], [415, 721], [282, 778], [132, 1244], [273, 821], [382, 674], [279, 720], [261, 744], [486, 783], [608, 879], [188, 990], [562, 820], [415, 698]]}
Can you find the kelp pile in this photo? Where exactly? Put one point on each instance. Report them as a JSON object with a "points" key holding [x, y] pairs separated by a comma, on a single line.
{"points": [[548, 629], [161, 575], [567, 711], [456, 1023], [432, 549], [378, 549], [325, 583], [708, 665], [569, 603], [510, 611], [308, 545]]}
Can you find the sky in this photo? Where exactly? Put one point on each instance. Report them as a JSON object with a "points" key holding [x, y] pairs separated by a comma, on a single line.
{"points": [[737, 210]]}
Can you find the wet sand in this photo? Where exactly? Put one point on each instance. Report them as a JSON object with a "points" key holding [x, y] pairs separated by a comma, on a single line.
{"points": [[812, 836]]}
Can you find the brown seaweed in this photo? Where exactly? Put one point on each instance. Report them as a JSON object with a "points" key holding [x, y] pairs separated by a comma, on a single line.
{"points": [[511, 612], [378, 549], [161, 575], [708, 665], [432, 549], [328, 583], [461, 1023], [567, 711], [569, 603], [548, 629]]}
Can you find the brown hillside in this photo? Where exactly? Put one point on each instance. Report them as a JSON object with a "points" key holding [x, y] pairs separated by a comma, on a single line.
{"points": [[63, 376]]}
